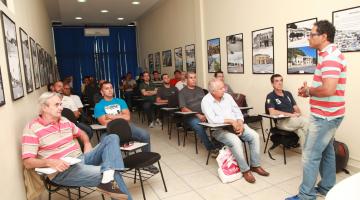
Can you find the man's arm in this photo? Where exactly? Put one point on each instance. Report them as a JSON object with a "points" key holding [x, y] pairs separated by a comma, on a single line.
{"points": [[56, 164], [105, 119], [159, 100], [328, 88], [86, 141], [273, 111]]}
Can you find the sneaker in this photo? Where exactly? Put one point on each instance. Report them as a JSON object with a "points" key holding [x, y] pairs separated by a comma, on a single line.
{"points": [[158, 122], [296, 197], [152, 169], [111, 189], [152, 124]]}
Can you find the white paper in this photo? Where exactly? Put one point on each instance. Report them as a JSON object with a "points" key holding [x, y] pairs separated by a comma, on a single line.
{"points": [[48, 170]]}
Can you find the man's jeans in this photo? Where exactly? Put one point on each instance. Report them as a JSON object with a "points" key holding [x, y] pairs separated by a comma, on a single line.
{"points": [[140, 135], [193, 123], [236, 146], [106, 155], [319, 156]]}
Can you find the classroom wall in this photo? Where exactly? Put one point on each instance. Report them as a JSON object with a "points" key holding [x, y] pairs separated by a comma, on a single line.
{"points": [[217, 19], [32, 17]]}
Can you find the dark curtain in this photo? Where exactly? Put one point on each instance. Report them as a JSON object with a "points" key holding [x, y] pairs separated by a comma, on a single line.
{"points": [[108, 58]]}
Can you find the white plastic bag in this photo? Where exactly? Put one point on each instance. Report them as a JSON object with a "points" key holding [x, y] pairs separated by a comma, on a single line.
{"points": [[228, 170]]}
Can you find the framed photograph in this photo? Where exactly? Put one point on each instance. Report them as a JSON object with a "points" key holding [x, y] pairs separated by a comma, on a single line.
{"points": [[49, 71], [178, 59], [190, 57], [26, 60], [263, 51], [235, 53], [157, 62], [166, 58], [4, 2], [301, 58], [151, 62], [41, 64], [347, 24], [35, 63], [2, 94], [213, 55], [12, 57]]}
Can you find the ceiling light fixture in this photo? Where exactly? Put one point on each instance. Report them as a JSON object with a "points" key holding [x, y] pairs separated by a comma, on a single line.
{"points": [[135, 2], [78, 18], [120, 18], [81, 1], [104, 11]]}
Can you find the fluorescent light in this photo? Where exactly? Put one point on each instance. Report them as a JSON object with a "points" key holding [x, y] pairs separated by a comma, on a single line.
{"points": [[135, 2], [78, 18], [120, 18], [104, 11], [81, 1]]}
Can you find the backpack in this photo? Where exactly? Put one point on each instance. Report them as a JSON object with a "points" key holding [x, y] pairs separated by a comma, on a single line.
{"points": [[286, 138], [342, 156]]}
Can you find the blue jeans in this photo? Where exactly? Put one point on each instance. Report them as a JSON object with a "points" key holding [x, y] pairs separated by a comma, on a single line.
{"points": [[236, 146], [140, 135], [193, 123], [319, 156], [106, 155]]}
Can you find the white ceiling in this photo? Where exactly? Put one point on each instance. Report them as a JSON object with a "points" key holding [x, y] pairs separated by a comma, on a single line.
{"points": [[65, 11]]}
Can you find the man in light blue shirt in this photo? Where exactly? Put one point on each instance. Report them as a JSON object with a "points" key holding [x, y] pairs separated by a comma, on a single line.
{"points": [[219, 107]]}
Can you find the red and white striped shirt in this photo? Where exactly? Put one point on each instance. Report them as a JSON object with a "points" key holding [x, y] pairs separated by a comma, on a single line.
{"points": [[332, 64], [50, 140]]}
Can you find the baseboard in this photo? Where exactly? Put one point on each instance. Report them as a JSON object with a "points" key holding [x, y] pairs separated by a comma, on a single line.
{"points": [[353, 166]]}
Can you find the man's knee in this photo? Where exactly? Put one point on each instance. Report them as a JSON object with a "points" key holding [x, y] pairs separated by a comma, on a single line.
{"points": [[111, 138]]}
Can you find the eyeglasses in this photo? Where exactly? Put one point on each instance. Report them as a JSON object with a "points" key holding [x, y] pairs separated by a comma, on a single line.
{"points": [[314, 34]]}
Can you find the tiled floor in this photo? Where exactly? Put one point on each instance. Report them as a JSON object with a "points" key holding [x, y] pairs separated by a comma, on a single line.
{"points": [[187, 176]]}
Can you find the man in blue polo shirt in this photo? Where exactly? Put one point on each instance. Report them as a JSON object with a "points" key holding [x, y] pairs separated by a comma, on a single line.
{"points": [[281, 102], [110, 108]]}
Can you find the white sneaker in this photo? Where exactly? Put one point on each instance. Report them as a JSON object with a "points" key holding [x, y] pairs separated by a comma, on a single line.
{"points": [[152, 124], [158, 122]]}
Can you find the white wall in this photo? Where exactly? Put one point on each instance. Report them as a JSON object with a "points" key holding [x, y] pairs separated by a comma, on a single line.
{"points": [[32, 17], [214, 18]]}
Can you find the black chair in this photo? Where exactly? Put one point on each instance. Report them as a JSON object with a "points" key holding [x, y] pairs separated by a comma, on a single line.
{"points": [[135, 161], [69, 114]]}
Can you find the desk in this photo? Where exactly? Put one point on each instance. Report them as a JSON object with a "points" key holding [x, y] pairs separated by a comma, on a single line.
{"points": [[98, 128], [246, 108], [183, 115], [158, 107], [168, 112], [346, 189]]}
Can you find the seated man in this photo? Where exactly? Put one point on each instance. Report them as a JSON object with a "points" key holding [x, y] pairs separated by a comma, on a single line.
{"points": [[220, 107], [166, 91], [129, 85], [220, 75], [148, 93], [49, 138], [177, 77], [190, 101], [281, 102], [182, 83], [110, 108]]}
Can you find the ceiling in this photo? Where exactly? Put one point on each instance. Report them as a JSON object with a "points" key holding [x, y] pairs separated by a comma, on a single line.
{"points": [[65, 11]]}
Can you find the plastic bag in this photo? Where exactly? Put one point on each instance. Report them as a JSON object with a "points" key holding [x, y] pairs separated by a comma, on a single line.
{"points": [[228, 170]]}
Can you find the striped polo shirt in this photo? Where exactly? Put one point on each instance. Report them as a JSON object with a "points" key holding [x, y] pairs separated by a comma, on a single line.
{"points": [[332, 64], [50, 140]]}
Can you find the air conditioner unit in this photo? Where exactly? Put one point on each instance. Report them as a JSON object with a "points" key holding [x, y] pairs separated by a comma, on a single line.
{"points": [[91, 32]]}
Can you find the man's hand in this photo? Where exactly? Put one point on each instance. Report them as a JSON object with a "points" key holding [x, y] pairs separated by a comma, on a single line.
{"points": [[58, 164], [295, 114], [238, 127], [303, 91], [87, 147], [201, 117]]}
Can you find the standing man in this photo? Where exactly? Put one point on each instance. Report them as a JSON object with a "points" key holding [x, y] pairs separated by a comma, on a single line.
{"points": [[327, 107], [282, 102]]}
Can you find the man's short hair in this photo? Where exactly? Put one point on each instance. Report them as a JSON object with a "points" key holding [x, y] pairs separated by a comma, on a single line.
{"points": [[188, 73], [177, 71], [104, 83], [326, 27], [218, 72], [44, 97], [145, 72], [162, 76], [155, 72], [274, 76]]}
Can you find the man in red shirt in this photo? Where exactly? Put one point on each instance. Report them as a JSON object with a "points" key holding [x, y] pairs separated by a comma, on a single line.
{"points": [[177, 77]]}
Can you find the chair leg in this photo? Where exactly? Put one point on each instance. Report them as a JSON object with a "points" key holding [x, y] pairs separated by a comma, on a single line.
{"points": [[141, 183], [262, 130], [284, 155], [196, 148], [135, 176], [69, 193], [49, 193], [162, 176], [102, 196], [185, 134], [267, 141], [79, 192], [178, 135], [208, 156]]}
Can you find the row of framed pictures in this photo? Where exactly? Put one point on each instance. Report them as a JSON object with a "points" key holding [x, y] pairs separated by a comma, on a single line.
{"points": [[38, 66], [154, 59]]}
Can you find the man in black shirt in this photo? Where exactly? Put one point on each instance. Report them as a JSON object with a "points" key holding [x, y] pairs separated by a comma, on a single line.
{"points": [[166, 91]]}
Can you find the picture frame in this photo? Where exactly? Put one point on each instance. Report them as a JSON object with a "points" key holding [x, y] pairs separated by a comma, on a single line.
{"points": [[2, 94], [235, 53], [12, 57], [190, 57], [178, 57], [28, 71], [157, 62], [151, 62], [4, 2], [166, 58], [41, 64], [263, 51], [213, 55], [35, 63], [346, 22], [301, 58]]}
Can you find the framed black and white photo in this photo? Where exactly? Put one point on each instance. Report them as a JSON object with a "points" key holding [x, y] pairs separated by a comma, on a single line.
{"points": [[24, 38], [263, 51], [178, 57], [157, 62], [151, 62], [47, 67], [213, 55], [301, 58], [2, 94], [166, 58], [41, 64], [4, 2], [235, 53], [347, 24], [190, 57], [12, 57], [35, 63]]}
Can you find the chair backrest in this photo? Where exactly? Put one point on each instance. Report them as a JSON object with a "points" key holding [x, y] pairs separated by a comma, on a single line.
{"points": [[173, 100], [205, 91], [121, 128], [69, 114], [240, 100]]}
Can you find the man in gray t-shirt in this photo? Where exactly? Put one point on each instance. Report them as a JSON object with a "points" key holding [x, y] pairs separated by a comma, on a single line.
{"points": [[190, 101]]}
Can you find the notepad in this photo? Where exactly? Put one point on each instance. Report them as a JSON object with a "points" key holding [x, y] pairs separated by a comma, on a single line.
{"points": [[48, 170]]}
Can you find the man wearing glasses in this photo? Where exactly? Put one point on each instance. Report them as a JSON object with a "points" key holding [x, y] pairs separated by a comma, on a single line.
{"points": [[327, 106]]}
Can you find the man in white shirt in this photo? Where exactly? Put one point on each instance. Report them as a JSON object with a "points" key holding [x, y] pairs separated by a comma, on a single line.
{"points": [[76, 99], [181, 84], [220, 107]]}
